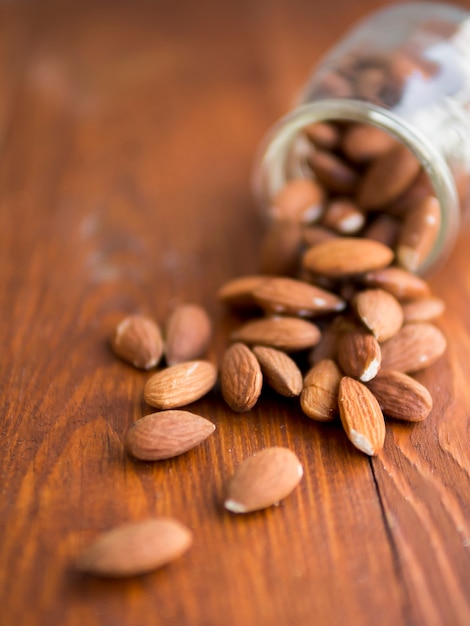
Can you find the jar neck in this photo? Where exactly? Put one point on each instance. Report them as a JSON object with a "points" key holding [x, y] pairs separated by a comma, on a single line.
{"points": [[272, 163]]}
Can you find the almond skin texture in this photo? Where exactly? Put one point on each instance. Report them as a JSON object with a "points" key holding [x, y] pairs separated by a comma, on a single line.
{"points": [[238, 292], [319, 397], [136, 548], [401, 396], [423, 310], [279, 371], [180, 384], [380, 312], [262, 480], [413, 348], [138, 341], [166, 434], [361, 416], [295, 297], [241, 379], [359, 354], [345, 256], [400, 283], [188, 334], [284, 333]]}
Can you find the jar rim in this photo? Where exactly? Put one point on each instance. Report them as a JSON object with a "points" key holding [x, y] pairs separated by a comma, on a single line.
{"points": [[270, 173]]}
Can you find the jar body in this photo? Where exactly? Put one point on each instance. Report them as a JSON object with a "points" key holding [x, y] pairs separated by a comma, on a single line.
{"points": [[406, 70]]}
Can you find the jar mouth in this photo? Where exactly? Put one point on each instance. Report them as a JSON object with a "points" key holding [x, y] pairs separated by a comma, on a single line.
{"points": [[271, 162]]}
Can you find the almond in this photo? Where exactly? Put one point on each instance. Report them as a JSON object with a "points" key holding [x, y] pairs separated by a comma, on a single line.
{"points": [[346, 256], [343, 216], [359, 354], [285, 333], [323, 134], [166, 434], [423, 310], [241, 379], [363, 142], [399, 282], [188, 333], [180, 384], [413, 348], [419, 233], [263, 479], [315, 234], [238, 292], [380, 312], [295, 297], [332, 172], [387, 177], [279, 370], [361, 416], [401, 396], [300, 200], [319, 397], [383, 228], [136, 548], [138, 341]]}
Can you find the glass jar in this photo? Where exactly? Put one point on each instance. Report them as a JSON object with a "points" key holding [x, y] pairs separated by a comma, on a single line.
{"points": [[406, 70]]}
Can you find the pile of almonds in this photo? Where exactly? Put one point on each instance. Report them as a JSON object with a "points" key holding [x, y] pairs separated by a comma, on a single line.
{"points": [[339, 321]]}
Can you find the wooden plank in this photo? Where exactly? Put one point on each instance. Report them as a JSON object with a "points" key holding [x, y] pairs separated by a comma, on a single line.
{"points": [[126, 188]]}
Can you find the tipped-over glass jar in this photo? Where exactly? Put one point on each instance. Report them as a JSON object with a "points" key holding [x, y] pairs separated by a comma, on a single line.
{"points": [[402, 74]]}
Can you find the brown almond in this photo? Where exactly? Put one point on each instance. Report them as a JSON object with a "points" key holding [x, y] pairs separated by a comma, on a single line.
{"points": [[136, 548], [284, 333], [188, 333], [319, 397], [359, 354], [346, 256], [383, 228], [241, 379], [238, 292], [327, 347], [423, 310], [400, 396], [180, 384], [415, 347], [166, 434], [138, 341], [281, 248], [262, 480], [387, 177], [380, 312], [418, 234], [300, 200], [295, 297], [363, 142], [399, 282], [332, 172], [315, 234], [361, 416], [279, 371], [419, 189], [343, 216], [323, 134]]}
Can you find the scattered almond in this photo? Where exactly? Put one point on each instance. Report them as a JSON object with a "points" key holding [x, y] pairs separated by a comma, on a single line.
{"points": [[380, 312], [241, 379], [138, 341], [300, 200], [285, 333], [359, 354], [423, 310], [401, 396], [136, 548], [262, 480], [419, 233], [238, 292], [319, 397], [345, 256], [361, 416], [279, 370], [413, 348], [180, 384], [399, 282], [188, 333], [166, 434], [295, 297]]}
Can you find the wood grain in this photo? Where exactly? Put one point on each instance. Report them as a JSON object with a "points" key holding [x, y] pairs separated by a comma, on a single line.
{"points": [[127, 136]]}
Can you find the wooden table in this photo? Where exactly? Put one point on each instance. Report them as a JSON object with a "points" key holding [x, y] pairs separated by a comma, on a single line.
{"points": [[127, 137]]}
